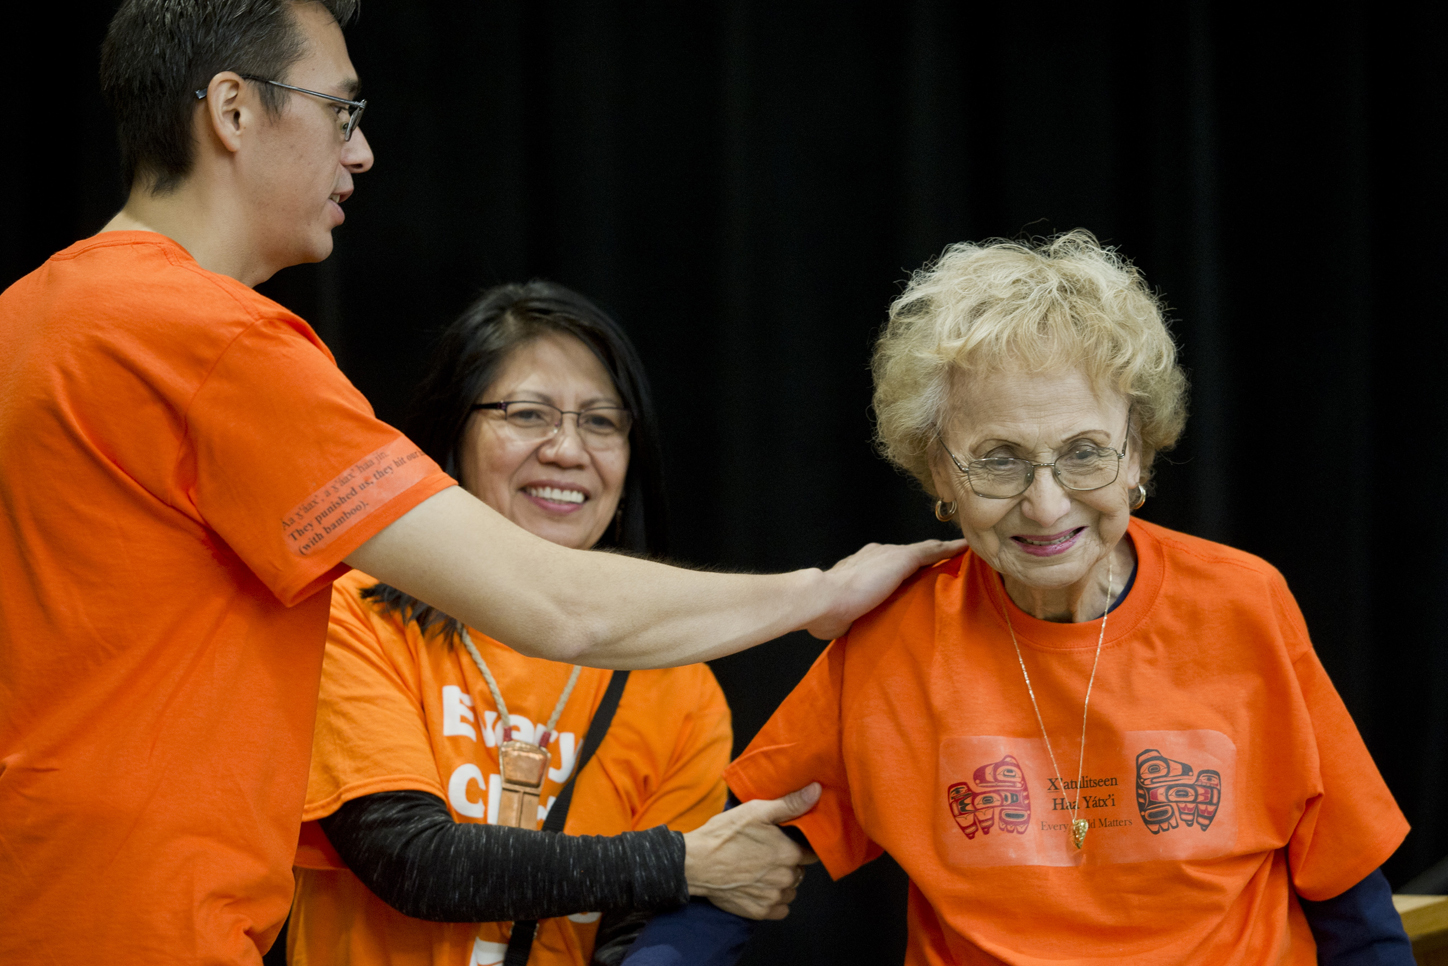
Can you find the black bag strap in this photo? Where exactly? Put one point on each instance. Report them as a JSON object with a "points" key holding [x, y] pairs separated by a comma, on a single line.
{"points": [[520, 944]]}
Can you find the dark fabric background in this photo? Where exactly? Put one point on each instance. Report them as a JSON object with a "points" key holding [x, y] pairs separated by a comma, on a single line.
{"points": [[746, 184]]}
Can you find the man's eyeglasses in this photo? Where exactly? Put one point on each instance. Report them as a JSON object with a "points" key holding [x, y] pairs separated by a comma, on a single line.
{"points": [[600, 427], [350, 118], [1085, 467]]}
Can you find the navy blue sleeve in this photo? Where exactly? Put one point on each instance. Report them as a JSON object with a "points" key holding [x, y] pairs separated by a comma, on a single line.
{"points": [[700, 934], [1359, 927]]}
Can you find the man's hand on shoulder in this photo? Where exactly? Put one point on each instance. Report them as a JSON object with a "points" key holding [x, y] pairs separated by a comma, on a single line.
{"points": [[862, 581]]}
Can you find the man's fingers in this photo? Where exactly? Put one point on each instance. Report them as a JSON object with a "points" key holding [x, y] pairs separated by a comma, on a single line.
{"points": [[780, 877], [868, 576], [766, 897], [762, 907], [934, 551], [793, 805]]}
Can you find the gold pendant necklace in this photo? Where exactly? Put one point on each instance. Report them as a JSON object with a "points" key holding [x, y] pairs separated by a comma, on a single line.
{"points": [[522, 764], [1079, 825]]}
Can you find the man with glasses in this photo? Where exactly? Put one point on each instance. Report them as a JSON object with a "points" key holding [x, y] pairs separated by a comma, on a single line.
{"points": [[349, 112], [185, 473]]}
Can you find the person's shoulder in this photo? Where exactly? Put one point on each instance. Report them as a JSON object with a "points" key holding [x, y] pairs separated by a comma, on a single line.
{"points": [[1198, 559], [1202, 573], [922, 584], [350, 601], [357, 621], [350, 585], [910, 609], [153, 279]]}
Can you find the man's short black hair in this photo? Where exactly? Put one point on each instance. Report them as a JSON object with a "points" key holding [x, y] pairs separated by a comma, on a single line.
{"points": [[158, 53]]}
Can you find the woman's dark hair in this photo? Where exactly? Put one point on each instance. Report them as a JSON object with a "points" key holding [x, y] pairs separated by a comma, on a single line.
{"points": [[158, 53], [468, 357]]}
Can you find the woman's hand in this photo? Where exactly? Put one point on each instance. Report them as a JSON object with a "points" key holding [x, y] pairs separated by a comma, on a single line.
{"points": [[863, 580], [743, 863]]}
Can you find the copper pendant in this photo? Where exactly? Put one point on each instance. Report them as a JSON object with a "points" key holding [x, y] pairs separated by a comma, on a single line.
{"points": [[523, 766], [1078, 830]]}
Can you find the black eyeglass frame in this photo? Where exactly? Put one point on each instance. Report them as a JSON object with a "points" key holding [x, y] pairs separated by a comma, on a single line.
{"points": [[355, 108], [504, 404], [1034, 466]]}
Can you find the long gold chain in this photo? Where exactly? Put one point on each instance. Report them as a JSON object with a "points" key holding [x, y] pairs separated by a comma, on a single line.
{"points": [[1078, 825]]}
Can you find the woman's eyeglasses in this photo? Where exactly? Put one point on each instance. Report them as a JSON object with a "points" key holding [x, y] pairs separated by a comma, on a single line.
{"points": [[1085, 467], [600, 427]]}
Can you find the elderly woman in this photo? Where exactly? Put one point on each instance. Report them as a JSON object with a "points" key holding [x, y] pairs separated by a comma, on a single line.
{"points": [[1088, 738], [440, 751]]}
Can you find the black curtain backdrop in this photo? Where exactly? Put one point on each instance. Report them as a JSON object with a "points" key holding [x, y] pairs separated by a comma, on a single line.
{"points": [[746, 184]]}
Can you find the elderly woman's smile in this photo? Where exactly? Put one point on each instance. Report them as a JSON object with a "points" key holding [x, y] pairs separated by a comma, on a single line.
{"points": [[1048, 546], [1053, 546]]}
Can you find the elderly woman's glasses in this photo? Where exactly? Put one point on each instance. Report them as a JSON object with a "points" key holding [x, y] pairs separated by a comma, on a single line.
{"points": [[1085, 467], [600, 427]]}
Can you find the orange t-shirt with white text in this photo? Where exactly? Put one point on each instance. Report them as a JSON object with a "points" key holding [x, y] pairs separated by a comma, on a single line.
{"points": [[400, 711], [182, 470], [1223, 777]]}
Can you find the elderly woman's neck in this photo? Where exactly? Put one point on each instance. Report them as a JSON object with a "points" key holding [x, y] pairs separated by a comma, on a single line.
{"points": [[1085, 600]]}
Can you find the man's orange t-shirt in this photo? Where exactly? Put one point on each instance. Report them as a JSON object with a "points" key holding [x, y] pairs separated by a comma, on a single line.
{"points": [[182, 469], [1223, 777], [402, 712]]}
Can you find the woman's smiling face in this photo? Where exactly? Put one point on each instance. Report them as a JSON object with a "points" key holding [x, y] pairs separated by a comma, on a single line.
{"points": [[557, 488], [1051, 544]]}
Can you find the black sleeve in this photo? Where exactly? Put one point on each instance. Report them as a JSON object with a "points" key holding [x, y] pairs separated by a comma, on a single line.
{"points": [[407, 849], [1359, 927]]}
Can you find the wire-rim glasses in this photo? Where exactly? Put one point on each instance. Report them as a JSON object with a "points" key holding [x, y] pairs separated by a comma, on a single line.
{"points": [[354, 108], [600, 427], [1086, 467]]}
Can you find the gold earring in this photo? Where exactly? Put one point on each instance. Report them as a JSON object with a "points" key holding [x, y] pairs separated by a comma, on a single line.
{"points": [[1138, 499], [944, 512]]}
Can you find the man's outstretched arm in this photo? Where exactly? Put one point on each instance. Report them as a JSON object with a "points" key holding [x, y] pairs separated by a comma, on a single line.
{"points": [[609, 610]]}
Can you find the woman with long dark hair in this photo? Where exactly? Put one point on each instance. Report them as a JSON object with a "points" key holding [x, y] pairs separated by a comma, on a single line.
{"points": [[439, 751]]}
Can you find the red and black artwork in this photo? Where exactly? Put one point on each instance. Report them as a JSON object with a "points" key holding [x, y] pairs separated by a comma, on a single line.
{"points": [[1000, 799], [1168, 794]]}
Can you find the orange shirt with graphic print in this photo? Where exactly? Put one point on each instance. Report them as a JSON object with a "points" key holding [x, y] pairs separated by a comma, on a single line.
{"points": [[184, 469], [1223, 777], [399, 711]]}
